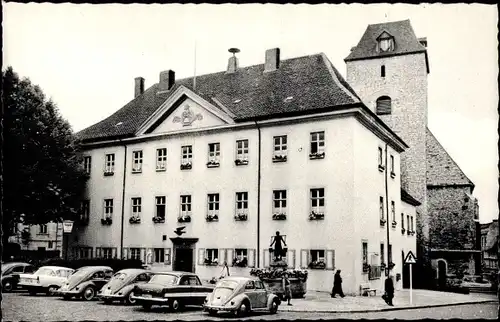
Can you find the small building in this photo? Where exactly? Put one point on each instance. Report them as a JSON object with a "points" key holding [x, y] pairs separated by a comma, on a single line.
{"points": [[489, 247]]}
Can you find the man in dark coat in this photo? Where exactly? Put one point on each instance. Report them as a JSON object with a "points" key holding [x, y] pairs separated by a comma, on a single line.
{"points": [[389, 290], [337, 285]]}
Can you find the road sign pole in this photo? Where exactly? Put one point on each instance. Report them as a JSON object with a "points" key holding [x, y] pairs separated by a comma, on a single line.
{"points": [[411, 279]]}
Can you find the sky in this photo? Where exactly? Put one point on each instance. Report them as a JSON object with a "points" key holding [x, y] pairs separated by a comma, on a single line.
{"points": [[85, 58]]}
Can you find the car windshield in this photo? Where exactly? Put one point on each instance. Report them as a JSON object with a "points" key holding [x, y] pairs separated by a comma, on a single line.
{"points": [[227, 284], [79, 274], [164, 279], [44, 271]]}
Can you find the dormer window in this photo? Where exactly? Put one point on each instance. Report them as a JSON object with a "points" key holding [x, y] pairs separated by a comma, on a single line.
{"points": [[385, 42]]}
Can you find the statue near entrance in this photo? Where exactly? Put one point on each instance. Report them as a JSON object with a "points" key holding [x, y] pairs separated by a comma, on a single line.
{"points": [[279, 251]]}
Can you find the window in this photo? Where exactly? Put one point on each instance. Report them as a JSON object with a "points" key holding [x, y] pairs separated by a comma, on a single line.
{"points": [[136, 207], [317, 255], [382, 71], [241, 203], [385, 42], [317, 145], [109, 167], [85, 252], [160, 206], [393, 211], [279, 202], [380, 159], [382, 253], [389, 253], [87, 164], [108, 208], [318, 200], [161, 159], [187, 156], [242, 150], [365, 253], [51, 244], [85, 210], [135, 253], [137, 161], [402, 221], [241, 259], [382, 216], [383, 105], [107, 252], [211, 255], [185, 205], [213, 154], [43, 229], [411, 219], [408, 223], [159, 255], [213, 204], [392, 166], [280, 148]]}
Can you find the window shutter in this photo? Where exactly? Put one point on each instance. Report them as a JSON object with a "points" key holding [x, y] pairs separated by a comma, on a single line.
{"points": [[125, 253], [113, 252], [223, 256], [290, 256], [201, 256], [231, 254], [384, 105], [167, 256], [150, 253], [143, 255], [304, 258], [330, 259], [251, 257], [267, 258], [98, 252]]}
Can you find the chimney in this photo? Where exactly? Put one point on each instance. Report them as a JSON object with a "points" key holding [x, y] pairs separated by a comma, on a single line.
{"points": [[139, 86], [272, 60], [232, 64], [167, 80]]}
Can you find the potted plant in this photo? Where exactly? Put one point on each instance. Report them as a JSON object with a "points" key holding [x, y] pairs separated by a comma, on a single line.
{"points": [[403, 231], [213, 164], [279, 216], [382, 222], [212, 217], [317, 264], [279, 158], [158, 219], [317, 155], [241, 216], [240, 262], [135, 220], [394, 224], [316, 215], [391, 265], [212, 262], [106, 221], [186, 165], [366, 267], [184, 218], [240, 161]]}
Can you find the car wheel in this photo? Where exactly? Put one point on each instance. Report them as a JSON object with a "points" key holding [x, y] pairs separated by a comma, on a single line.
{"points": [[88, 293], [129, 300], [7, 286], [51, 290], [243, 309], [146, 306], [274, 306], [175, 306]]}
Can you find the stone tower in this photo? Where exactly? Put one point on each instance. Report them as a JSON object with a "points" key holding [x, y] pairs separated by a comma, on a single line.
{"points": [[388, 70]]}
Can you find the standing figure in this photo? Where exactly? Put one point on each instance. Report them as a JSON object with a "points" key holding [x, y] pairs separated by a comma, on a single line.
{"points": [[278, 249], [287, 287], [389, 290], [337, 285], [225, 270]]}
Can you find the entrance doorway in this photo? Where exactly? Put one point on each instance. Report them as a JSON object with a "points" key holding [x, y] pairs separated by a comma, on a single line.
{"points": [[183, 254]]}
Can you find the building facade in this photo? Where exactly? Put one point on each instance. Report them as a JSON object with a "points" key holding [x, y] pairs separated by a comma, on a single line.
{"points": [[192, 174], [44, 237], [489, 247]]}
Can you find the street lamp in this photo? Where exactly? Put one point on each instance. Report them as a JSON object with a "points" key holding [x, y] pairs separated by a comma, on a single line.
{"points": [[67, 228]]}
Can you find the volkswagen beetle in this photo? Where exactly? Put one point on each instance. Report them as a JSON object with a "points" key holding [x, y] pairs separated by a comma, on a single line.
{"points": [[46, 279], [241, 295], [85, 282], [121, 286]]}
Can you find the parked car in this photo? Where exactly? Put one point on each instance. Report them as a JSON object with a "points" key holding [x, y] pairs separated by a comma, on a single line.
{"points": [[10, 274], [46, 279], [175, 289], [241, 295], [121, 286], [85, 282], [476, 283]]}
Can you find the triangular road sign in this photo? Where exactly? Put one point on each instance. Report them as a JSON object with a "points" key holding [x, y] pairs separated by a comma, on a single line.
{"points": [[410, 258]]}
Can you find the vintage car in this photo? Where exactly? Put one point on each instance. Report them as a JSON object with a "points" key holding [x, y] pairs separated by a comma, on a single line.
{"points": [[85, 282], [240, 295], [174, 289], [121, 286], [10, 274], [46, 279]]}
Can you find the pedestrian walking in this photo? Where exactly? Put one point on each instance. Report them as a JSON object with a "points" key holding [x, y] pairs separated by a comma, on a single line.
{"points": [[389, 291], [287, 287], [225, 270], [337, 285]]}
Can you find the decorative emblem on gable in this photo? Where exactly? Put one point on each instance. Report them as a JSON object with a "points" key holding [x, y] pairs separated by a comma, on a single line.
{"points": [[187, 117]]}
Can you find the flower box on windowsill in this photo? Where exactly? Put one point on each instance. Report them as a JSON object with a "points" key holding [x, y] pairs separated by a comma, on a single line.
{"points": [[240, 263], [317, 265], [382, 222], [240, 162], [158, 220], [241, 217], [136, 170], [186, 166], [279, 158], [213, 164], [106, 221], [108, 173], [279, 216], [381, 168], [316, 155], [161, 169], [411, 232], [184, 218], [316, 215], [403, 231], [393, 175], [394, 224], [210, 218], [213, 262], [135, 220], [366, 268], [391, 265]]}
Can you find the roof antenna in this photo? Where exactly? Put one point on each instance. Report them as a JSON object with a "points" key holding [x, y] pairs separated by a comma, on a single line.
{"points": [[194, 77]]}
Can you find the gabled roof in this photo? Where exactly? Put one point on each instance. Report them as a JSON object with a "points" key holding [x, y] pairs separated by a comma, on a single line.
{"points": [[442, 170], [409, 199], [308, 84], [405, 41]]}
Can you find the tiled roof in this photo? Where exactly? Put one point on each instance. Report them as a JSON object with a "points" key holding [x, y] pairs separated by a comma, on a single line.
{"points": [[442, 170], [404, 38], [310, 83], [406, 197]]}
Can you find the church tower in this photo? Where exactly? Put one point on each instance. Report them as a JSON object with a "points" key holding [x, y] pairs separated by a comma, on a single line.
{"points": [[388, 70]]}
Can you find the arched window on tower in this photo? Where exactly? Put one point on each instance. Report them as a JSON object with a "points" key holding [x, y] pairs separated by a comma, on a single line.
{"points": [[383, 105]]}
